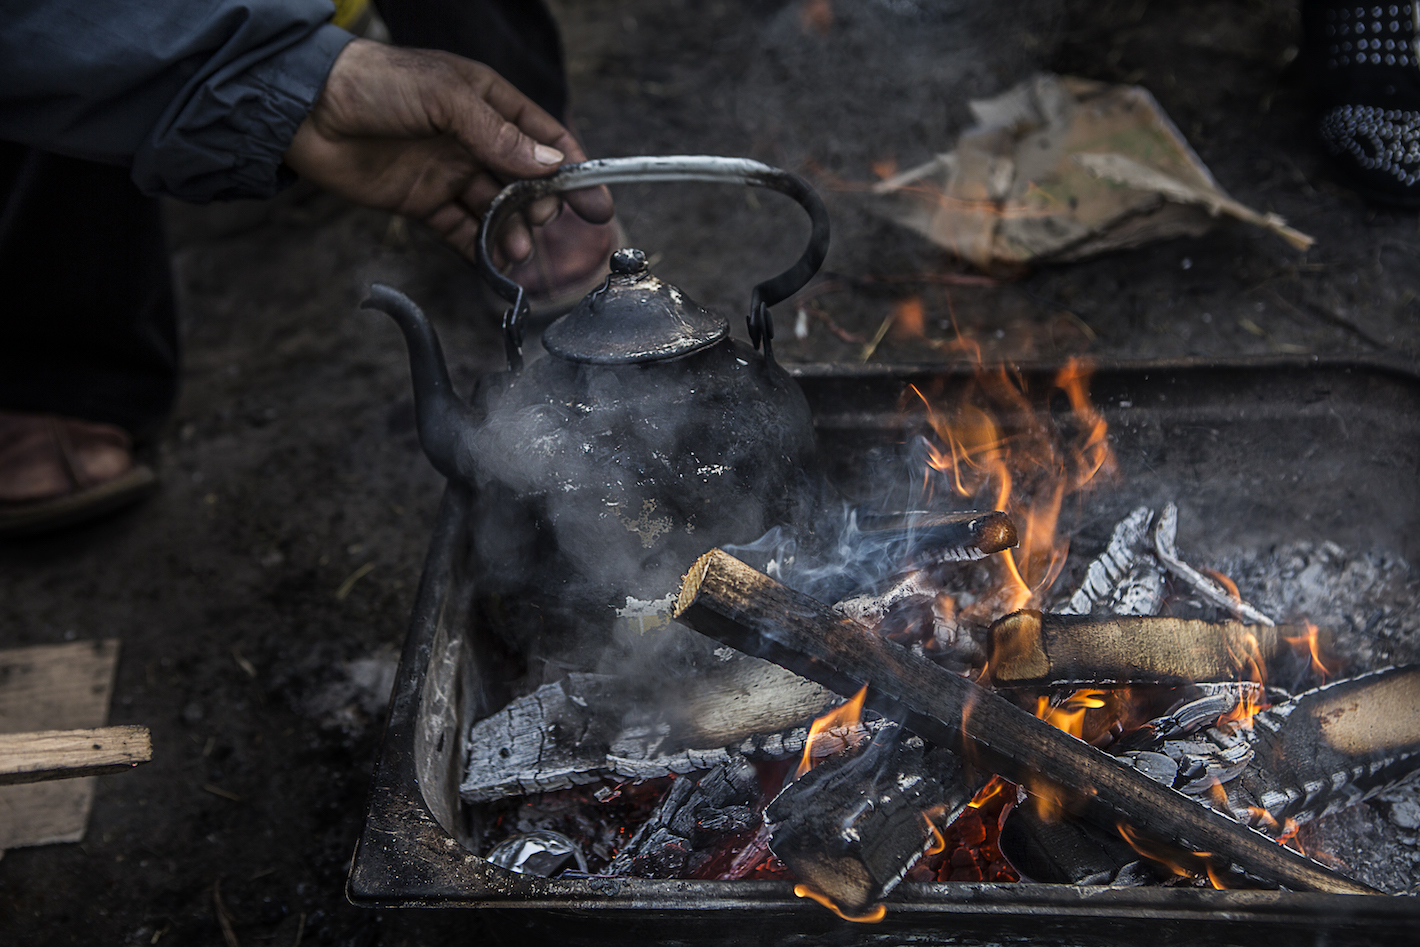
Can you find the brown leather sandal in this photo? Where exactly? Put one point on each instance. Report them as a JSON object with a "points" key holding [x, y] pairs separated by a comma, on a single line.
{"points": [[57, 471]]}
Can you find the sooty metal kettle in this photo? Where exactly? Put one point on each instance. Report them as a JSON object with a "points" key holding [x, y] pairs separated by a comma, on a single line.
{"points": [[645, 437]]}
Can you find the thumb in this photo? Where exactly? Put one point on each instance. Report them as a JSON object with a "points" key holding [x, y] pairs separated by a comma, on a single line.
{"points": [[498, 144]]}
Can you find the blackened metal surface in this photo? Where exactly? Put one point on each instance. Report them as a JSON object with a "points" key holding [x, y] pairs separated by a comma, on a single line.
{"points": [[633, 317], [1262, 452]]}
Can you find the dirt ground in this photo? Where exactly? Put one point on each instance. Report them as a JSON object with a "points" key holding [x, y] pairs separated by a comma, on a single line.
{"points": [[259, 648]]}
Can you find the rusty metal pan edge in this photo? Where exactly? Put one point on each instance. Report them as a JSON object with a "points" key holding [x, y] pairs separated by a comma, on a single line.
{"points": [[404, 858]]}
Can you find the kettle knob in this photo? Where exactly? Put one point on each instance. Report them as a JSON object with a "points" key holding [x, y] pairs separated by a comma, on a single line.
{"points": [[629, 261]]}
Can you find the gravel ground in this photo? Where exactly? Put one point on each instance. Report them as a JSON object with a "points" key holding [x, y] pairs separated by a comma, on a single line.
{"points": [[291, 462]]}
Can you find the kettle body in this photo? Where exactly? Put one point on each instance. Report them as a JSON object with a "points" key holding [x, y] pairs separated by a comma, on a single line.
{"points": [[645, 437]]}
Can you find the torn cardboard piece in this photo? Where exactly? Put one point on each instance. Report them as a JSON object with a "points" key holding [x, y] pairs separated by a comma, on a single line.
{"points": [[49, 687], [1060, 168]]}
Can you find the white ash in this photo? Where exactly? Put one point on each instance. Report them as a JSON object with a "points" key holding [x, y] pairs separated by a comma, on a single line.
{"points": [[1366, 600]]}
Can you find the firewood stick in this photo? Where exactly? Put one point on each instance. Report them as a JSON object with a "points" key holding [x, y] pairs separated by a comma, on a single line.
{"points": [[727, 600], [64, 754], [1034, 648]]}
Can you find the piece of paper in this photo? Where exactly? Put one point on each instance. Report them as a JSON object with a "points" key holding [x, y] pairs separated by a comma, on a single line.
{"points": [[1060, 168]]}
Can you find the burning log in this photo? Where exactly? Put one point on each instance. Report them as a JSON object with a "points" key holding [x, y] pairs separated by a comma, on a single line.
{"points": [[733, 603], [1034, 648], [925, 539], [676, 841], [852, 826], [1330, 748]]}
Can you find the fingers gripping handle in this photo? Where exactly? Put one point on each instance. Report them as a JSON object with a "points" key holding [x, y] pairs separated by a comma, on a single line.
{"points": [[655, 170]]}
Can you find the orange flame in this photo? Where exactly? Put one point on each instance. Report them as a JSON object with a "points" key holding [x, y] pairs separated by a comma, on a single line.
{"points": [[1181, 863], [993, 788], [1228, 584], [1240, 717], [939, 844], [909, 316], [1289, 834], [885, 168], [1069, 716], [995, 448], [842, 721], [1309, 642], [872, 916]]}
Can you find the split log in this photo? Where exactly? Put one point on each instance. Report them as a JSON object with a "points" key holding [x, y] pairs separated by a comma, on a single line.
{"points": [[852, 826], [1330, 748], [65, 754], [679, 837], [1031, 648], [739, 606]]}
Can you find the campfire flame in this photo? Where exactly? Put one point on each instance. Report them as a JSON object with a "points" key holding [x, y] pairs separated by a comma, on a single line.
{"points": [[1309, 643], [993, 448], [939, 844], [840, 727], [1182, 864]]}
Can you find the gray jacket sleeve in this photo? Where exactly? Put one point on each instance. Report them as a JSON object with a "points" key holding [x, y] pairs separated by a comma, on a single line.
{"points": [[200, 97]]}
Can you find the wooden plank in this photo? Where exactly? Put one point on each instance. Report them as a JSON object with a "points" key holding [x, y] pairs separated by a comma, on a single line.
{"points": [[735, 604], [44, 687], [65, 754]]}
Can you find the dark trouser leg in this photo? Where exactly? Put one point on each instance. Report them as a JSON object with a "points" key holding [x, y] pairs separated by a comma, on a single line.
{"points": [[518, 38], [88, 327]]}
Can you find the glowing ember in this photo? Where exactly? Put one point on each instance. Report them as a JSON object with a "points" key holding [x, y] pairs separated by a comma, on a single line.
{"points": [[842, 724]]}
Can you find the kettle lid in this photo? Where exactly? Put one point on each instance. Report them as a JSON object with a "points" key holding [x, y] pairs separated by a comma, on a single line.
{"points": [[633, 317]]}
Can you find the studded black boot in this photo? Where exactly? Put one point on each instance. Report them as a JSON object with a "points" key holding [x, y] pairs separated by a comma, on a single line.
{"points": [[1363, 65]]}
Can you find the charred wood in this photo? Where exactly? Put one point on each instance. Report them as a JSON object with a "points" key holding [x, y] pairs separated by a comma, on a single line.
{"points": [[1062, 850], [553, 738], [852, 826], [924, 539], [677, 840], [1330, 748], [1164, 548], [913, 612], [587, 726], [739, 606], [1120, 579], [1034, 648]]}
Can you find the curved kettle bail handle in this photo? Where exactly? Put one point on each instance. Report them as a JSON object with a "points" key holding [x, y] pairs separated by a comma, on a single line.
{"points": [[644, 170]]}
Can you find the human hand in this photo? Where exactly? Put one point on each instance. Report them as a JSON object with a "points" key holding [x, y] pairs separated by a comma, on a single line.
{"points": [[433, 136]]}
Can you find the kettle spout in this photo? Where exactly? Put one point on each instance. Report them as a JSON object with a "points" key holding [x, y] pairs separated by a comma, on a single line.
{"points": [[444, 419]]}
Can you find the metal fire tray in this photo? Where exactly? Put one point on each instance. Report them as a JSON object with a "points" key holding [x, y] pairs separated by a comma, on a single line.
{"points": [[1255, 453]]}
